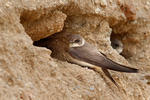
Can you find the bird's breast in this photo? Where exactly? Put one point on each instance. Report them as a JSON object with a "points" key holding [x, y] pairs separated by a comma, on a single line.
{"points": [[81, 63]]}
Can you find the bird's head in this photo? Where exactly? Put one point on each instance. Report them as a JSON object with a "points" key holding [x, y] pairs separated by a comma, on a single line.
{"points": [[118, 45], [75, 40]]}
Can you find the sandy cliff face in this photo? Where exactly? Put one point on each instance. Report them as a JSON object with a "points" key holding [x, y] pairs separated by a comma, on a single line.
{"points": [[28, 72]]}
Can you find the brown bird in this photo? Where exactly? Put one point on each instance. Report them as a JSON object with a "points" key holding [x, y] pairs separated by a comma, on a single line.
{"points": [[117, 45], [85, 54]]}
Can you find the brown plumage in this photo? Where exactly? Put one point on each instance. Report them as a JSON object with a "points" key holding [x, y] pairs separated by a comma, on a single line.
{"points": [[85, 54], [88, 53]]}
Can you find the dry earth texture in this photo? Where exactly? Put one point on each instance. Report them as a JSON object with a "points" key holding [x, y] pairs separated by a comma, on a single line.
{"points": [[28, 72]]}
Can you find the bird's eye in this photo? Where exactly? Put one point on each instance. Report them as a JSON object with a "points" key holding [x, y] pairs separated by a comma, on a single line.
{"points": [[77, 41], [116, 45]]}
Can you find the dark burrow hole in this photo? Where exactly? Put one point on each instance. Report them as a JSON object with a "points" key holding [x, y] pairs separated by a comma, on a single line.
{"points": [[120, 43], [57, 43], [44, 42]]}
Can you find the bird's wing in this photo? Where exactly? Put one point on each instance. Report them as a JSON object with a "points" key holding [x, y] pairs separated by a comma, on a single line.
{"points": [[89, 54]]}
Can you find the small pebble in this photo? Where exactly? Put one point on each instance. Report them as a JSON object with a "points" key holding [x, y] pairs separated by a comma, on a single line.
{"points": [[92, 88]]}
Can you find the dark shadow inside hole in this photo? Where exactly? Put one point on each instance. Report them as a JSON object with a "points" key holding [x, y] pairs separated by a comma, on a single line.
{"points": [[42, 42], [45, 42], [57, 43]]}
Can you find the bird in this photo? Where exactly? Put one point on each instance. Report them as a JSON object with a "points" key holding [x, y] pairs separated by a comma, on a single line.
{"points": [[87, 55], [117, 45]]}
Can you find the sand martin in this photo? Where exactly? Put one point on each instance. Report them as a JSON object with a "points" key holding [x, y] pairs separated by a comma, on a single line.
{"points": [[117, 45], [85, 54]]}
